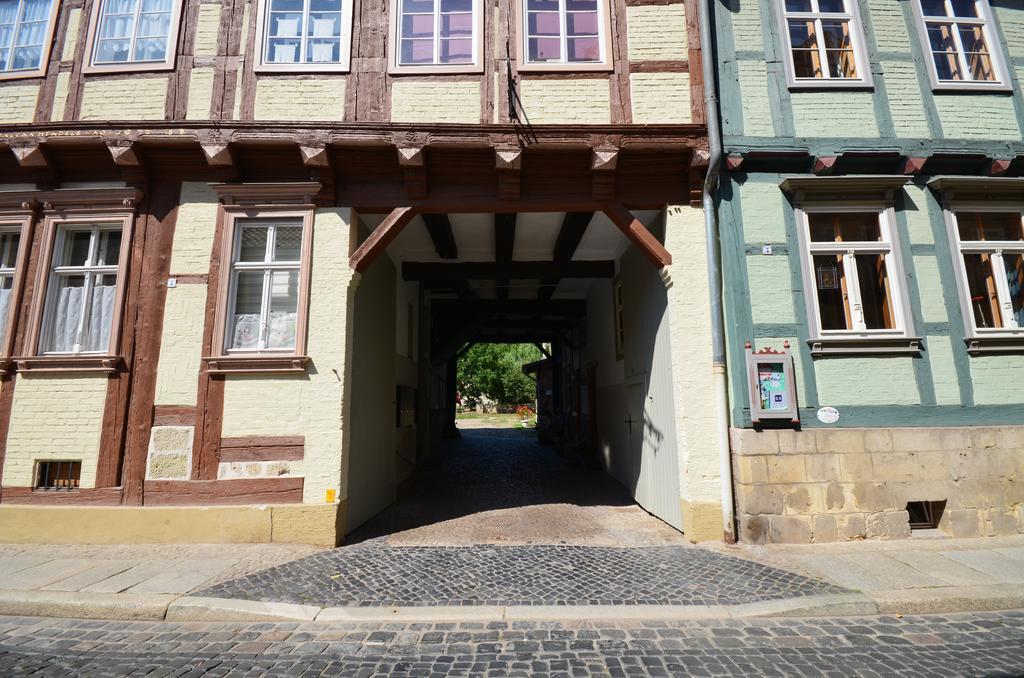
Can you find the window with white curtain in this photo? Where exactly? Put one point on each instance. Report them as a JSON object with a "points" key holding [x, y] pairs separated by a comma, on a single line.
{"points": [[825, 43], [135, 32], [25, 31], [437, 32], [961, 49], [569, 33], [78, 313], [265, 278], [991, 261], [9, 241], [305, 34]]}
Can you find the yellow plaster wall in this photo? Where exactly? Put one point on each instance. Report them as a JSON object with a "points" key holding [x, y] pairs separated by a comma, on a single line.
{"points": [[207, 26], [71, 39], [18, 103], [321, 98], [60, 96], [656, 32], [584, 100], [193, 229], [435, 101], [54, 417], [200, 93], [308, 405], [660, 97], [692, 376], [127, 99], [181, 345]]}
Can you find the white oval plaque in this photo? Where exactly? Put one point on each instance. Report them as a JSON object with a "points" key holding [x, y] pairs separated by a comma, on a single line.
{"points": [[828, 415]]}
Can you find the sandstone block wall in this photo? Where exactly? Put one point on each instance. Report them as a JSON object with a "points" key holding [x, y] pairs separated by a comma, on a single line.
{"points": [[822, 485]]}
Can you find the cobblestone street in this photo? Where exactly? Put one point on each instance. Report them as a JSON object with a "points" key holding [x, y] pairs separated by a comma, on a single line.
{"points": [[984, 644]]}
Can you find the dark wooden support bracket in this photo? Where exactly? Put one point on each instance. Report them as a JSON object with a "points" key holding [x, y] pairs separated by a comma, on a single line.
{"points": [[125, 154], [913, 165], [825, 164], [734, 163], [638, 234], [509, 163], [381, 237], [412, 162], [998, 167], [30, 155], [602, 169], [439, 227], [315, 155], [218, 154]]}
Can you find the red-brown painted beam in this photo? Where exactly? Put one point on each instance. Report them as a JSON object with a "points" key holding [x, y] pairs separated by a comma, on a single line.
{"points": [[638, 234], [382, 236]]}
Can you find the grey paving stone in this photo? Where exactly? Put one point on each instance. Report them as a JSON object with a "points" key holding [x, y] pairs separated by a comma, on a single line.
{"points": [[97, 571], [983, 644], [938, 566], [128, 578], [376, 574], [1001, 567]]}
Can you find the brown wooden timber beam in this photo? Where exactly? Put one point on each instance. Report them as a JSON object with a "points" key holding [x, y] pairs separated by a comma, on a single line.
{"points": [[574, 225], [381, 237], [504, 246], [517, 270], [638, 234], [439, 227]]}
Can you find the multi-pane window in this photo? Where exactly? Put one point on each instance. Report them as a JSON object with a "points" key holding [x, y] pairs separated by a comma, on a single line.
{"points": [[958, 37], [437, 32], [81, 295], [264, 302], [305, 33], [24, 34], [133, 32], [9, 241], [991, 250], [825, 41], [565, 32], [853, 271]]}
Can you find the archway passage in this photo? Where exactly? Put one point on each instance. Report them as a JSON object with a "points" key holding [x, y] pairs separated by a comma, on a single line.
{"points": [[578, 284]]}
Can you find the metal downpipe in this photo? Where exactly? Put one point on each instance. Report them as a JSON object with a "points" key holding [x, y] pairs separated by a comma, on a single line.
{"points": [[721, 394]]}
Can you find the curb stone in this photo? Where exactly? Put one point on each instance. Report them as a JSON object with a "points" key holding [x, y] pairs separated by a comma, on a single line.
{"points": [[82, 605], [196, 608]]}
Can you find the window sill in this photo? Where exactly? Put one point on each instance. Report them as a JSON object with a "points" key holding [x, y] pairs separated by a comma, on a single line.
{"points": [[437, 69], [103, 364], [300, 69], [256, 364], [127, 67], [973, 88], [808, 86], [865, 346], [990, 345], [582, 67]]}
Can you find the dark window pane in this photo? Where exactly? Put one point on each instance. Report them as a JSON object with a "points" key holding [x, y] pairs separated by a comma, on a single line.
{"points": [[801, 34], [844, 227], [798, 5], [582, 24], [836, 34], [947, 66], [584, 49], [832, 292], [981, 287], [934, 7], [990, 226], [875, 295], [807, 63], [832, 6], [544, 49], [965, 8], [1014, 264], [76, 248]]}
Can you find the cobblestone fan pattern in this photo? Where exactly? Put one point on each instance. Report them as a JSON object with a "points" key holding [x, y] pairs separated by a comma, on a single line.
{"points": [[984, 644], [372, 574]]}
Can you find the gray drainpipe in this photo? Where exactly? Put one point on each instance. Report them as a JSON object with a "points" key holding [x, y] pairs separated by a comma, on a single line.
{"points": [[721, 393]]}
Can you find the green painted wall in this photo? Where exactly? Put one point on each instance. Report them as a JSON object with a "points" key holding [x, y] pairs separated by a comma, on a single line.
{"points": [[765, 304], [900, 111]]}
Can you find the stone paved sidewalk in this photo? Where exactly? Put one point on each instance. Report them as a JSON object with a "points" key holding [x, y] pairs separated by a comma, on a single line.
{"points": [[376, 574], [989, 644]]}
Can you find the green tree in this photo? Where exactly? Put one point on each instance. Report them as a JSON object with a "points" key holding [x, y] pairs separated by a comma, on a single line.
{"points": [[496, 371]]}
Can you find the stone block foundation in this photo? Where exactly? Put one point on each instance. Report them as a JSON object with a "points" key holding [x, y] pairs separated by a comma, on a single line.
{"points": [[821, 485]]}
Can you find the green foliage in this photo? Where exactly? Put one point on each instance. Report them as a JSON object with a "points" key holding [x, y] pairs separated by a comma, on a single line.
{"points": [[496, 371]]}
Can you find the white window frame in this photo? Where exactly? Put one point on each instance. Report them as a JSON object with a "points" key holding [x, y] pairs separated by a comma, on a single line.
{"points": [[889, 247], [44, 55], [395, 44], [268, 267], [89, 270], [993, 247], [604, 39], [992, 40], [22, 225], [92, 43], [857, 36], [262, 39]]}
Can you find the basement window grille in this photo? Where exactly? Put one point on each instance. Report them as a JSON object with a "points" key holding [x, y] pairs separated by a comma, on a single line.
{"points": [[925, 515], [58, 475]]}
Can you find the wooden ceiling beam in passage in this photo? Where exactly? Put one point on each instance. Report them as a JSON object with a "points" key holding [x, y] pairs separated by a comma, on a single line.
{"points": [[638, 234], [504, 246], [574, 225], [382, 236], [439, 227], [516, 270]]}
